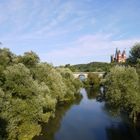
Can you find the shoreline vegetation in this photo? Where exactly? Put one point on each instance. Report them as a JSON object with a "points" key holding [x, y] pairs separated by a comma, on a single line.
{"points": [[29, 93], [122, 85]]}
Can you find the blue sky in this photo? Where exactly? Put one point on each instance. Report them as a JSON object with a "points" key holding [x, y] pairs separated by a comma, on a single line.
{"points": [[69, 31]]}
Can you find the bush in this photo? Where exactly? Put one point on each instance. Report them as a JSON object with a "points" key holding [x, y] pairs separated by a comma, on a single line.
{"points": [[123, 90], [92, 80], [29, 93], [134, 54]]}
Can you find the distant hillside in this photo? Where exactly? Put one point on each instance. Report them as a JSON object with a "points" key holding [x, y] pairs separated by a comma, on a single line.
{"points": [[90, 67]]}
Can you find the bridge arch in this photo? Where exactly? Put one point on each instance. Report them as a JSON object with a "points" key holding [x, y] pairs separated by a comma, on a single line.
{"points": [[82, 76], [85, 74]]}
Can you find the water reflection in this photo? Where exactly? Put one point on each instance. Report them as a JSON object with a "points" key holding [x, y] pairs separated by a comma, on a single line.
{"points": [[49, 130], [87, 119], [118, 132], [92, 93]]}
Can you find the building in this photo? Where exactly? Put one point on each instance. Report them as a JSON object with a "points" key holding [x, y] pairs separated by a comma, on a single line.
{"points": [[119, 57]]}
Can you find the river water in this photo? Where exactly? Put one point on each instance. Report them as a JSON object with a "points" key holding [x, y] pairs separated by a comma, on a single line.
{"points": [[87, 119]]}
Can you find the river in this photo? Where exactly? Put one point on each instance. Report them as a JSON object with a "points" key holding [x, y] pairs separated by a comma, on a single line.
{"points": [[87, 119]]}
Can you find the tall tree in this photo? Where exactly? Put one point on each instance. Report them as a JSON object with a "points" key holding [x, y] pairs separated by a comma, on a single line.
{"points": [[6, 57], [134, 53], [29, 59], [123, 90]]}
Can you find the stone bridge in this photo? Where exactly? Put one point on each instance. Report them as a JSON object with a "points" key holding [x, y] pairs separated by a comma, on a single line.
{"points": [[85, 74]]}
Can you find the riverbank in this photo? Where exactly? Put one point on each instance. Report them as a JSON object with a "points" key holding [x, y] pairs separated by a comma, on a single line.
{"points": [[87, 119]]}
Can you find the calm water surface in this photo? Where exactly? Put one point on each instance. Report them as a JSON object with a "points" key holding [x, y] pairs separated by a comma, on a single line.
{"points": [[87, 119]]}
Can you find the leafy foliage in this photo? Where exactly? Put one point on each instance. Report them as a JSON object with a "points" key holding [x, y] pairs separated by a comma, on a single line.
{"points": [[92, 80], [122, 85], [68, 79], [90, 67], [29, 59], [6, 57], [29, 93], [134, 54]]}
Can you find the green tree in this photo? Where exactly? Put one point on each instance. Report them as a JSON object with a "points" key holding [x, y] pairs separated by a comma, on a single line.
{"points": [[47, 74], [138, 71], [123, 90], [72, 84], [29, 93], [24, 103], [134, 53], [29, 59], [92, 80], [6, 57]]}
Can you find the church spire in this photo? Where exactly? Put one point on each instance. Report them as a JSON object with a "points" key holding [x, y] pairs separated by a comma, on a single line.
{"points": [[116, 53], [119, 57]]}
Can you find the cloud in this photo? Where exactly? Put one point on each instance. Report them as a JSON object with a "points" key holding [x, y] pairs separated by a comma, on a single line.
{"points": [[37, 21], [69, 31], [33, 20], [97, 46]]}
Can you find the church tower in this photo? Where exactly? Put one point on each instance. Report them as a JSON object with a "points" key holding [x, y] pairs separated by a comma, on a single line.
{"points": [[124, 56], [119, 57], [116, 54]]}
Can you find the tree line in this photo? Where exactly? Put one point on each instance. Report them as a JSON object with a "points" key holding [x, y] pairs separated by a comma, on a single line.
{"points": [[29, 93], [90, 67]]}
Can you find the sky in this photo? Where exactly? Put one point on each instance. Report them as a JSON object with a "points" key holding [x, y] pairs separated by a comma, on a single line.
{"points": [[69, 31]]}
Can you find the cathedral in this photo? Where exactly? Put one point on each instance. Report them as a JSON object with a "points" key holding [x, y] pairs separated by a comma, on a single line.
{"points": [[119, 57]]}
